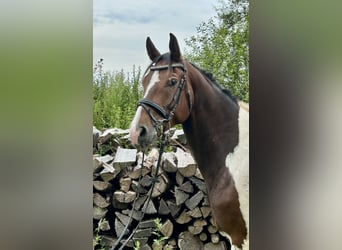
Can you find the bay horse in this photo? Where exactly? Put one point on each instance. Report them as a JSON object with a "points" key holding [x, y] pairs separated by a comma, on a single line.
{"points": [[216, 127]]}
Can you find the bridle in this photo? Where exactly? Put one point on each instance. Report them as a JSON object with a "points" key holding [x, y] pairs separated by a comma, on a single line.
{"points": [[168, 114]]}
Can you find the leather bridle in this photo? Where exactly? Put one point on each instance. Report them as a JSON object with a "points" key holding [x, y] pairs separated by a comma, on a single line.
{"points": [[166, 114]]}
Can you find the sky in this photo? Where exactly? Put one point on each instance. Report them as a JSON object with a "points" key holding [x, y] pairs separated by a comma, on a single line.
{"points": [[120, 28]]}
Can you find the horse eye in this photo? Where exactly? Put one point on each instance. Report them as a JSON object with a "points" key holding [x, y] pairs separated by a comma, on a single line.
{"points": [[173, 82]]}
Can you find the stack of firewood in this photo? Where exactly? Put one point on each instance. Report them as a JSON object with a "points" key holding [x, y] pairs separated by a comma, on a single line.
{"points": [[178, 214]]}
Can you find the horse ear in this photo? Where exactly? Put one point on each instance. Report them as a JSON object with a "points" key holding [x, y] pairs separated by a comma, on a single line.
{"points": [[174, 48], [152, 52]]}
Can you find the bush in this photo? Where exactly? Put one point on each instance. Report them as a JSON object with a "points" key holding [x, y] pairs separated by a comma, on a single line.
{"points": [[115, 97]]}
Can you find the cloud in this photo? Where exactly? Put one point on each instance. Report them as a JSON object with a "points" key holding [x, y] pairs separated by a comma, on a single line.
{"points": [[120, 28]]}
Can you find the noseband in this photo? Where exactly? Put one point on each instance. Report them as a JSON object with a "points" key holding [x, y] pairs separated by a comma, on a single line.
{"points": [[172, 106]]}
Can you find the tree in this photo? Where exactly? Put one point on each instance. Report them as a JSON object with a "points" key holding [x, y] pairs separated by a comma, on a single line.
{"points": [[221, 46]]}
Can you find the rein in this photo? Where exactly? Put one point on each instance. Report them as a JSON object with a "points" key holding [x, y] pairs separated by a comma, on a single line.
{"points": [[154, 180], [160, 126]]}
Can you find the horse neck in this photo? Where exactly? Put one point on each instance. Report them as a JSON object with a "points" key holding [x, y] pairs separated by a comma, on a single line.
{"points": [[212, 127]]}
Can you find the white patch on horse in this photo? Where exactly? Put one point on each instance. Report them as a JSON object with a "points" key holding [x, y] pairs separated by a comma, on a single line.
{"points": [[238, 164], [154, 80], [133, 131]]}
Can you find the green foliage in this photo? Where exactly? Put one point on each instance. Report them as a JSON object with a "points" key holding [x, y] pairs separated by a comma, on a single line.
{"points": [[97, 238], [115, 97], [157, 231], [221, 46]]}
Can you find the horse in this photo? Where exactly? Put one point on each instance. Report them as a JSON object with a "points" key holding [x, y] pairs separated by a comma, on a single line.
{"points": [[216, 126]]}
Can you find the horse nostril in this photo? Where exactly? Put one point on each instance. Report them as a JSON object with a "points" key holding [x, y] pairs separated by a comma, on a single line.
{"points": [[143, 131]]}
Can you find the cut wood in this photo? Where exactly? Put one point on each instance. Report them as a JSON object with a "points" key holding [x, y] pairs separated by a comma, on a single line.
{"points": [[179, 178], [215, 238], [194, 200], [160, 186], [195, 213], [183, 218], [143, 232], [147, 224], [174, 209], [169, 164], [137, 215], [102, 185], [187, 187], [180, 196], [205, 211], [167, 228], [199, 183], [119, 227], [124, 157], [125, 197], [212, 229], [136, 187], [163, 207], [187, 241], [203, 236], [104, 225], [125, 184], [185, 163], [99, 213], [219, 246], [151, 209], [100, 201]]}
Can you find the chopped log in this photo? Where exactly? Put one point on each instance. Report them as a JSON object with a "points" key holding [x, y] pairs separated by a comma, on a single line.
{"points": [[143, 232], [174, 209], [195, 213], [100, 201], [102, 185], [99, 213], [180, 196], [200, 222], [179, 136], [215, 238], [104, 225], [194, 200], [199, 183], [139, 202], [195, 230], [151, 209], [219, 246], [185, 163], [198, 174], [137, 215], [146, 181], [169, 164], [136, 187], [104, 159], [124, 157], [206, 201], [109, 133], [96, 135], [138, 171], [125, 184], [187, 241], [125, 197], [183, 218], [118, 205], [151, 158], [124, 219], [206, 210], [163, 208], [109, 172], [187, 187], [160, 186], [147, 224], [108, 241], [97, 164], [212, 229], [142, 241], [203, 236], [145, 247], [167, 228], [179, 178], [119, 227]]}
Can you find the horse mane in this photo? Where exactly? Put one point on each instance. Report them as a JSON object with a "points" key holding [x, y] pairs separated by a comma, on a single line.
{"points": [[209, 76]]}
